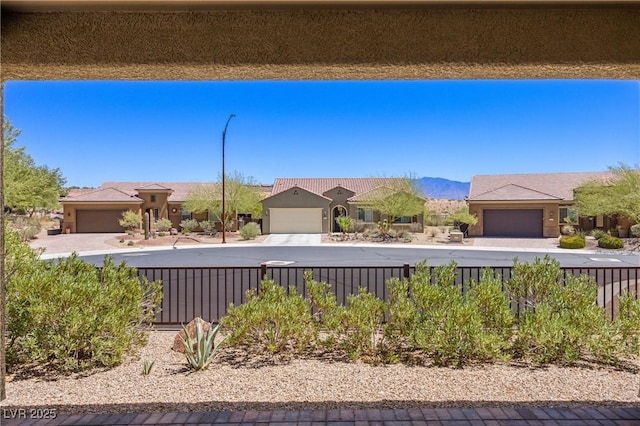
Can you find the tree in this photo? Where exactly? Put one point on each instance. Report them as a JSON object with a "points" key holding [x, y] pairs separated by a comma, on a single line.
{"points": [[241, 196], [396, 198], [463, 216], [620, 195], [131, 221], [27, 186]]}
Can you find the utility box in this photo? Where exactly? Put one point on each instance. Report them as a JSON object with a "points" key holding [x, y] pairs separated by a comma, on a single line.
{"points": [[456, 236]]}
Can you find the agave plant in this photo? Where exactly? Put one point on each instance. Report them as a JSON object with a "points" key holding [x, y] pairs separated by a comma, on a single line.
{"points": [[201, 350]]}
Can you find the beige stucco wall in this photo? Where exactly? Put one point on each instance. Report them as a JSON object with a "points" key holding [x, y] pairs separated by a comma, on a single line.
{"points": [[294, 198], [377, 42], [550, 227]]}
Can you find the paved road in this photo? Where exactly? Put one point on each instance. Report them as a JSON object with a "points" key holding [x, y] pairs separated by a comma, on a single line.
{"points": [[331, 255]]}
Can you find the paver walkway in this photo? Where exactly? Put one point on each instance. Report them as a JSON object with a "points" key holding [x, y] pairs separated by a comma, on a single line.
{"points": [[600, 416]]}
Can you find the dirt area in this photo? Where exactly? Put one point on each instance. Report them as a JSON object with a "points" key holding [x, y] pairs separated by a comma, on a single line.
{"points": [[138, 240], [316, 383], [433, 235]]}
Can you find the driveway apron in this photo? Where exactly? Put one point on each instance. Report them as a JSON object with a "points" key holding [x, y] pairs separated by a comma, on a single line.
{"points": [[293, 240]]}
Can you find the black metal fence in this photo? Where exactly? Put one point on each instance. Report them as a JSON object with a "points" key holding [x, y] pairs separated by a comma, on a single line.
{"points": [[207, 291]]}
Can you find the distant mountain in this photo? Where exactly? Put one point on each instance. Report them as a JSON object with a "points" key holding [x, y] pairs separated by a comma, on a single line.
{"points": [[444, 188]]}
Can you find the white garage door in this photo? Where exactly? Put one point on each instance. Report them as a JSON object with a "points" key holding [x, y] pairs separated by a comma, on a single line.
{"points": [[295, 221]]}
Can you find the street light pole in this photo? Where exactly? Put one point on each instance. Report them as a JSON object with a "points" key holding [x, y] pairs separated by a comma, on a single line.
{"points": [[224, 135]]}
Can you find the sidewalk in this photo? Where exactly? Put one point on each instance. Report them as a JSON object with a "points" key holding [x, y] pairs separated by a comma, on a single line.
{"points": [[592, 416]]}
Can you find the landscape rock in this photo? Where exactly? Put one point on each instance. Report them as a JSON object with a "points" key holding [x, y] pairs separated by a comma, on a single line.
{"points": [[191, 329]]}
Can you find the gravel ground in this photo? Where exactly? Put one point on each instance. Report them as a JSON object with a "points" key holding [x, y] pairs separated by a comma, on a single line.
{"points": [[317, 384]]}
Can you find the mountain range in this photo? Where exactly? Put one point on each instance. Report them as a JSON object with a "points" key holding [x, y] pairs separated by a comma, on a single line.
{"points": [[443, 188]]}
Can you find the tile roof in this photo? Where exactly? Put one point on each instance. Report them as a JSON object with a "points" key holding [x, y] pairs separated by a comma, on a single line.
{"points": [[180, 189], [319, 186], [104, 195], [532, 186]]}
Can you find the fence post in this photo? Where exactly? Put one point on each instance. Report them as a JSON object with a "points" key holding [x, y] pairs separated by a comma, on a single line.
{"points": [[263, 271], [406, 274]]}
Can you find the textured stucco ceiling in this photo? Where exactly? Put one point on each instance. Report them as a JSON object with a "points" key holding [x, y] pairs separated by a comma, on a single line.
{"points": [[429, 42]]}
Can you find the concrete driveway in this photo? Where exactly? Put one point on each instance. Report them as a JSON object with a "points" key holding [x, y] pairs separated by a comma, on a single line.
{"points": [[68, 243], [293, 240]]}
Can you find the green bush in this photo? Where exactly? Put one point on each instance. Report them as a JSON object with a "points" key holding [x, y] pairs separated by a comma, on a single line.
{"points": [[207, 227], [572, 242], [344, 222], [131, 221], [250, 231], [429, 317], [435, 317], [163, 225], [271, 321], [610, 242], [598, 233], [635, 230], [68, 315], [189, 225]]}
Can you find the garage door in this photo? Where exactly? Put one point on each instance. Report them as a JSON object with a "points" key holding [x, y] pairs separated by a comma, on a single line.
{"points": [[524, 223], [295, 221], [98, 221]]}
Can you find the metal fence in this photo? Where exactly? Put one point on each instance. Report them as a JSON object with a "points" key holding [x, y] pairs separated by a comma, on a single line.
{"points": [[207, 291]]}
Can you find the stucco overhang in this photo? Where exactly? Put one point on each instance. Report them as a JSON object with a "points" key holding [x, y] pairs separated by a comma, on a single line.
{"points": [[314, 40]]}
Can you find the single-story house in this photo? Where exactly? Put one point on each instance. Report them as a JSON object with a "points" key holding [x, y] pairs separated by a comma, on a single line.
{"points": [[531, 205], [100, 209], [311, 205]]}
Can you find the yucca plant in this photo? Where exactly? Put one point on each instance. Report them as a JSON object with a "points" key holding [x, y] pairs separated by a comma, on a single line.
{"points": [[147, 366], [201, 350]]}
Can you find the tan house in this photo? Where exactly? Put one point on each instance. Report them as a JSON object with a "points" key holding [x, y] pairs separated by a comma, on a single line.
{"points": [[100, 210], [530, 205], [311, 205]]}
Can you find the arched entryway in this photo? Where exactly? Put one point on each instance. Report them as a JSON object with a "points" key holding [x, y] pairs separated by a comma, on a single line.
{"points": [[335, 213]]}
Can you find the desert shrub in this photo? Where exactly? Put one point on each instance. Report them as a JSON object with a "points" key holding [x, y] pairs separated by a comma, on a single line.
{"points": [[433, 232], [533, 283], [598, 233], [610, 242], [635, 230], [356, 326], [430, 314], [568, 230], [271, 321], [189, 225], [566, 326], [416, 227], [131, 221], [163, 225], [69, 315], [207, 227], [250, 231], [26, 227], [572, 242]]}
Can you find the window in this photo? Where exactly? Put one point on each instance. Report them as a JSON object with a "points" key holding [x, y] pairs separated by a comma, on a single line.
{"points": [[156, 214], [186, 214], [153, 198], [365, 215], [568, 212], [403, 219]]}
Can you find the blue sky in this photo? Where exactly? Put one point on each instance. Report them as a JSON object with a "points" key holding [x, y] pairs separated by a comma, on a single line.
{"points": [[171, 131]]}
